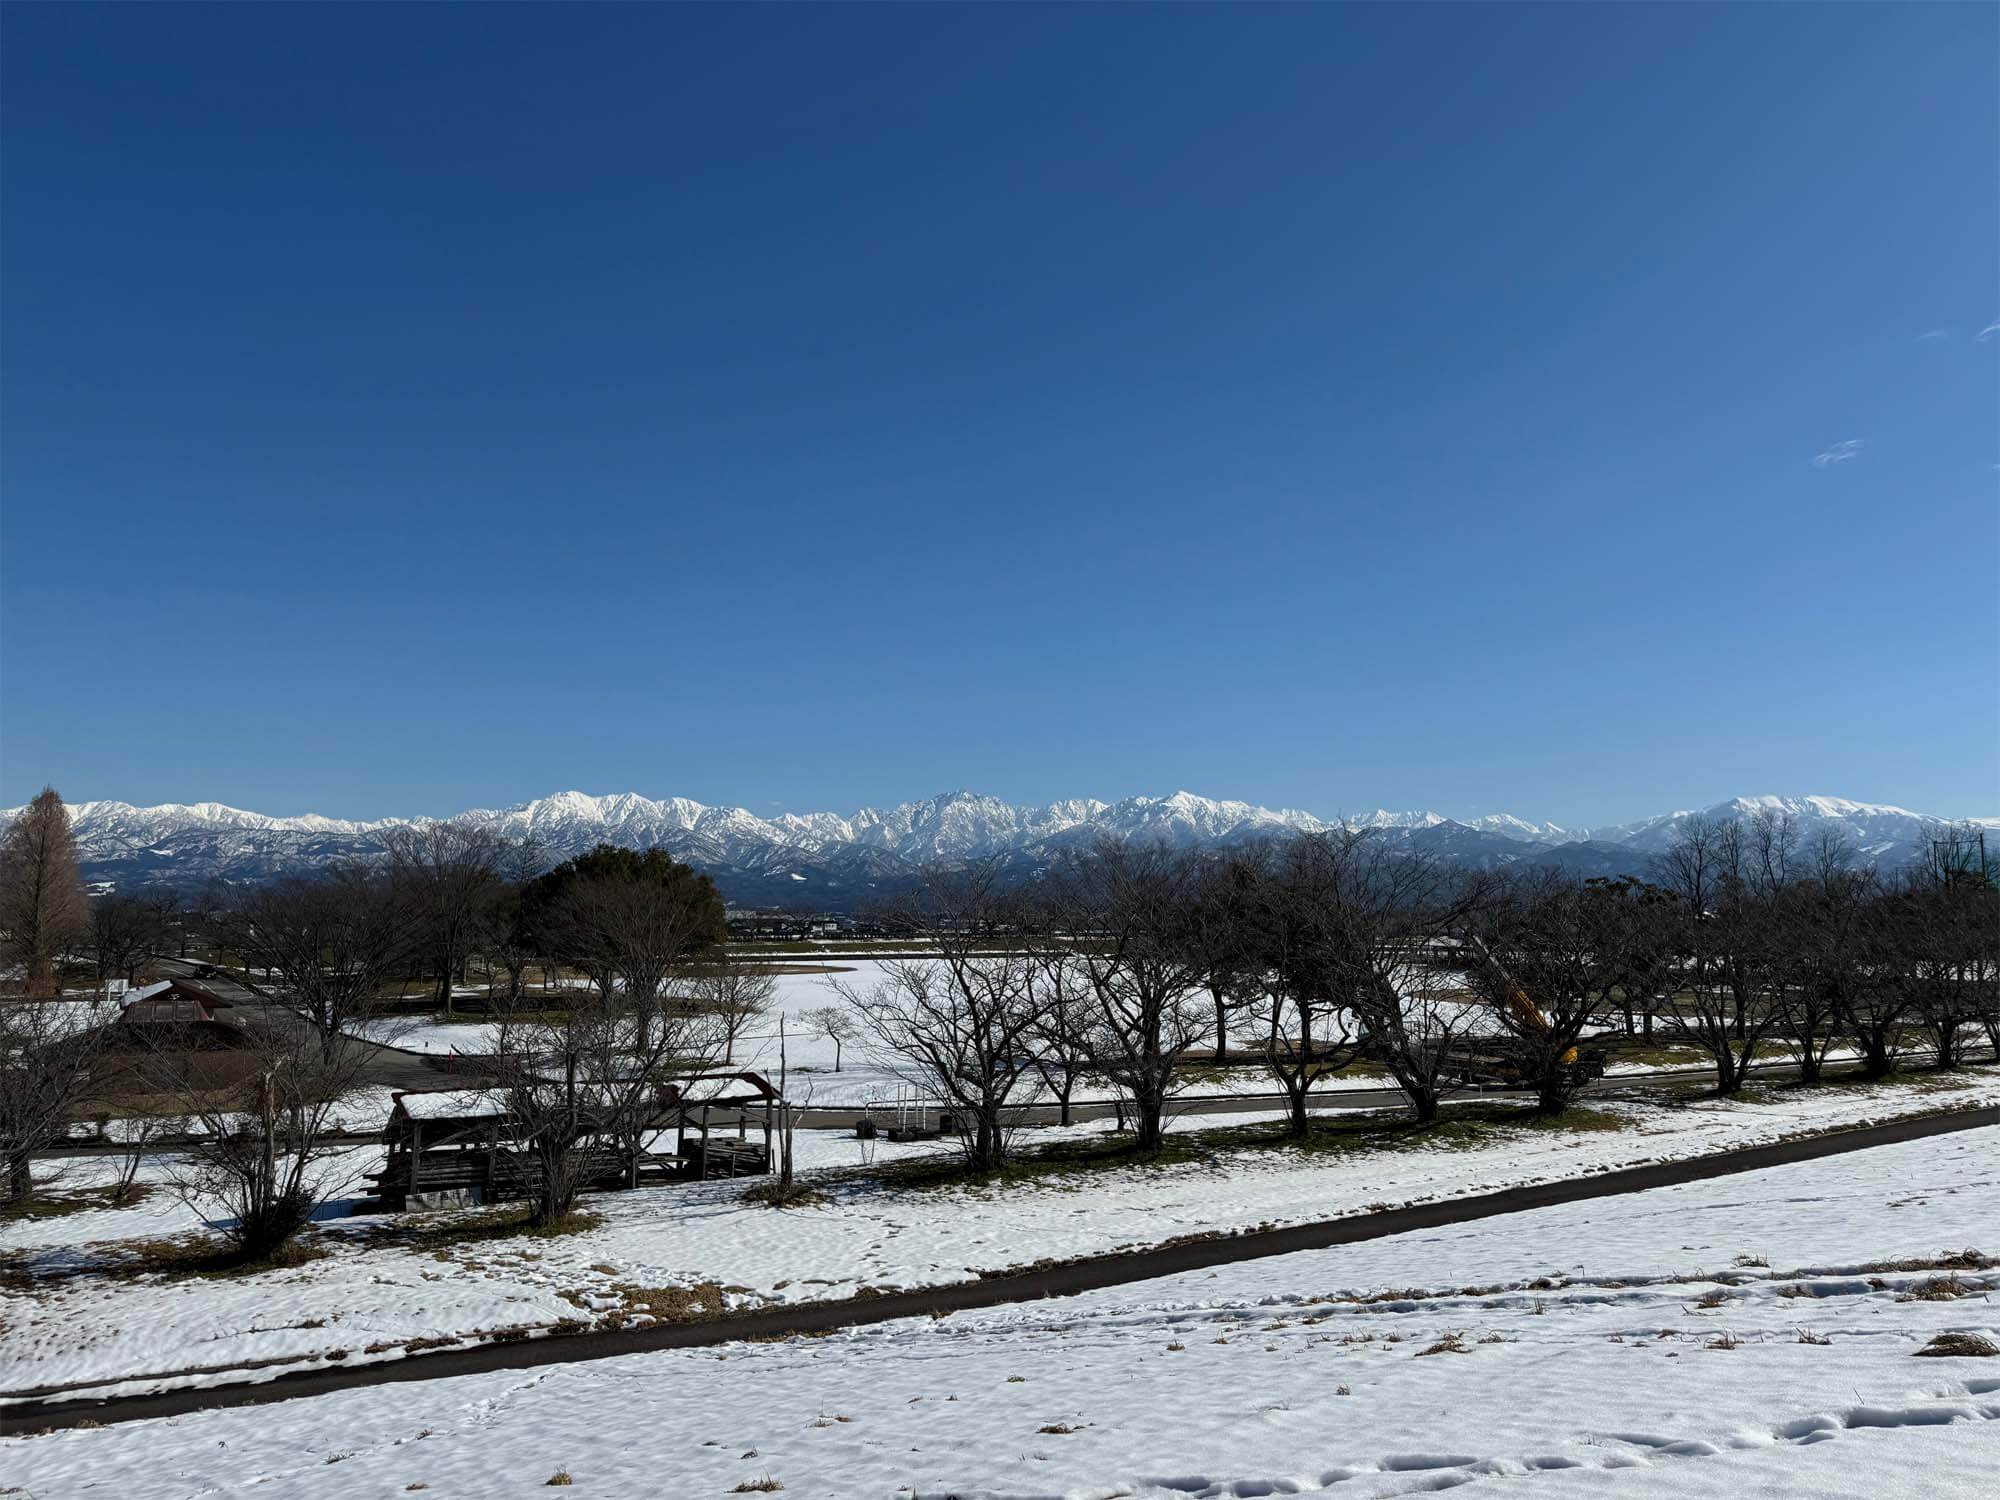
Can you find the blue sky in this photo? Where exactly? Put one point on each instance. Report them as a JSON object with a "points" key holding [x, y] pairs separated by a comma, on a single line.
{"points": [[412, 408]]}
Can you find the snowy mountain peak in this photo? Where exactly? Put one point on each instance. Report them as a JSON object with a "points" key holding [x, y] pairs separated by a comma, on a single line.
{"points": [[830, 859]]}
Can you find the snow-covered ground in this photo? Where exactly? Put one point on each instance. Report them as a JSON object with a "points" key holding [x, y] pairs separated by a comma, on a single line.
{"points": [[1748, 1336], [865, 1075], [388, 1281], [851, 1075]]}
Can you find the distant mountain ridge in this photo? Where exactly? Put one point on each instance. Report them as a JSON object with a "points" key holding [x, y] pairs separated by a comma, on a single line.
{"points": [[833, 862]]}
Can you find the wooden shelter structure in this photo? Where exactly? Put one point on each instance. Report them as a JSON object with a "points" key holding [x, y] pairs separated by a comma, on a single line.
{"points": [[456, 1147], [172, 1035]]}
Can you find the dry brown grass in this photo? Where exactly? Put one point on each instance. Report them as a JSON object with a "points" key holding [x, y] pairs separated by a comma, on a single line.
{"points": [[560, 1477], [764, 1486], [776, 1194], [1960, 1346], [1451, 1343], [1941, 1289], [1952, 1260], [673, 1304]]}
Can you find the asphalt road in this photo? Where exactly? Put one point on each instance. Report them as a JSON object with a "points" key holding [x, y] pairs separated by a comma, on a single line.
{"points": [[1063, 1280]]}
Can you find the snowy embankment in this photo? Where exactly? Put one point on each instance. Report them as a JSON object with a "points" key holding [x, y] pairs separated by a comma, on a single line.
{"points": [[80, 1312], [1750, 1335]]}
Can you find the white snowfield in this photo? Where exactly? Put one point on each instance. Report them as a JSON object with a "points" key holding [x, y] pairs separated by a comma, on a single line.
{"points": [[376, 1292], [1756, 1335]]}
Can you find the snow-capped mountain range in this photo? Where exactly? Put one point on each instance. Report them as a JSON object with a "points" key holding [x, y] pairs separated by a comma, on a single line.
{"points": [[831, 862]]}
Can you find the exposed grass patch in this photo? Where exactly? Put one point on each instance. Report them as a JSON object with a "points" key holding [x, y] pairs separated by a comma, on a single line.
{"points": [[1461, 1127], [1930, 1081], [1960, 1346], [1451, 1343], [1941, 1289], [1655, 1054], [29, 1210], [1951, 1260], [775, 1194], [674, 1304], [199, 1255], [432, 1232]]}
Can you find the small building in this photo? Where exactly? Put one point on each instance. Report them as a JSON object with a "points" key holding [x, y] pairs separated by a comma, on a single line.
{"points": [[173, 1035]]}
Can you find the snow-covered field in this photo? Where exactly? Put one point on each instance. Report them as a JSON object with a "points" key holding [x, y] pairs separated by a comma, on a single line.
{"points": [[389, 1281], [1749, 1336], [865, 1075]]}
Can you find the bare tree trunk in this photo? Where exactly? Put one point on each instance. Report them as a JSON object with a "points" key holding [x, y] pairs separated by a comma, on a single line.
{"points": [[1423, 1102], [1728, 1076], [1553, 1096], [1149, 1110]]}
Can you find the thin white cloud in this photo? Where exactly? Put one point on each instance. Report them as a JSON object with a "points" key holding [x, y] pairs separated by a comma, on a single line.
{"points": [[1988, 331], [1839, 453], [1936, 333]]}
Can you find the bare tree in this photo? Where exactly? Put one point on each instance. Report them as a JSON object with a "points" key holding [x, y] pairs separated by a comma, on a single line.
{"points": [[1948, 956], [1550, 961], [47, 1050], [453, 876], [836, 1023], [959, 1021], [124, 931], [1129, 904], [1059, 1034], [1732, 980], [138, 1138], [265, 1152], [1822, 918], [738, 995], [511, 938], [1294, 980], [791, 1104], [170, 920], [42, 905], [588, 1085], [1387, 909], [1772, 840], [1220, 921], [1875, 995], [331, 940]]}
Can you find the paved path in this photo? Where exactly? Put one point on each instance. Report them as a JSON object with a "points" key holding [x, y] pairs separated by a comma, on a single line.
{"points": [[1064, 1280]]}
